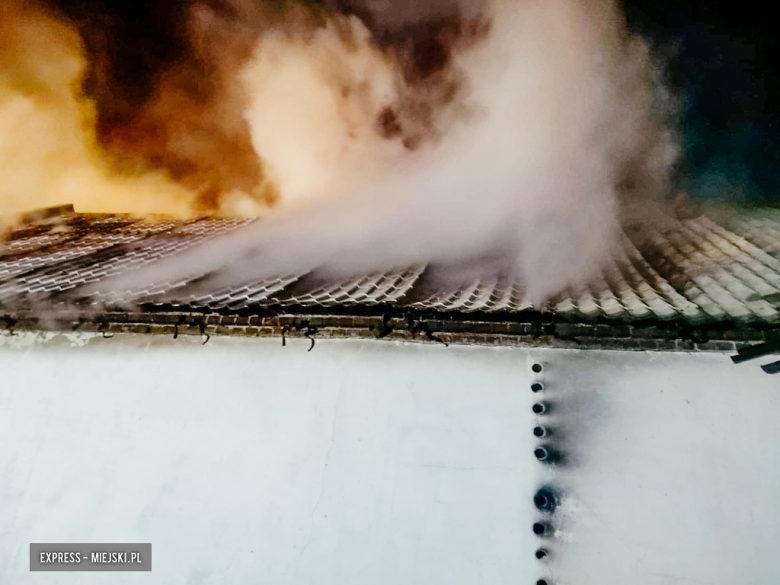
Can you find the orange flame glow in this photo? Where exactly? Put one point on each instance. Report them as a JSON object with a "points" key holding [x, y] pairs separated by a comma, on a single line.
{"points": [[48, 149]]}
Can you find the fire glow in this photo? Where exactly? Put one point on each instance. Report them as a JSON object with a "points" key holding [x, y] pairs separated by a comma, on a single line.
{"points": [[529, 131]]}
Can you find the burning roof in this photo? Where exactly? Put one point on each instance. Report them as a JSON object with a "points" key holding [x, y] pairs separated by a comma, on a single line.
{"points": [[503, 165], [694, 281]]}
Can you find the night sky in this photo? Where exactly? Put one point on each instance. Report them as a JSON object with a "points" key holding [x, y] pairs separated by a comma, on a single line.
{"points": [[721, 63]]}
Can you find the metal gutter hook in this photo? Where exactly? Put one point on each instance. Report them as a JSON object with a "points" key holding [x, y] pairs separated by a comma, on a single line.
{"points": [[103, 328], [309, 332]]}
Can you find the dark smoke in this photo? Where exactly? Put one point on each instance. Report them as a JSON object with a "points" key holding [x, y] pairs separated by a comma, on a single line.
{"points": [[161, 74]]}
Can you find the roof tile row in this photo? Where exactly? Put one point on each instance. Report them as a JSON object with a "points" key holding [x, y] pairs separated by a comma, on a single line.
{"points": [[699, 270]]}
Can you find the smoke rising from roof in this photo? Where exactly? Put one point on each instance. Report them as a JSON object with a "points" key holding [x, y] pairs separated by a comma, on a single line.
{"points": [[528, 131]]}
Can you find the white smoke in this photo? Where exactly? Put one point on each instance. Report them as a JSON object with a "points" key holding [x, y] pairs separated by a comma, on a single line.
{"points": [[533, 163]]}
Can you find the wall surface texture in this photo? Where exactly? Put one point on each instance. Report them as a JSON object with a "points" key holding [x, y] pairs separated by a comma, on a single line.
{"points": [[384, 463]]}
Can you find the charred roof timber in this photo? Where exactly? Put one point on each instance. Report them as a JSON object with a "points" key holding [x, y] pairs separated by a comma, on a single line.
{"points": [[39, 215], [772, 346]]}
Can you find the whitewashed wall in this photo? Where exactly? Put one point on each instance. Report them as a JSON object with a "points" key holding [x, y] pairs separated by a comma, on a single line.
{"points": [[674, 472], [381, 463], [248, 462]]}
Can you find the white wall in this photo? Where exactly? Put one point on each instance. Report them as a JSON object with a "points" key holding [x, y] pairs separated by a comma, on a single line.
{"points": [[246, 462], [674, 473], [382, 463]]}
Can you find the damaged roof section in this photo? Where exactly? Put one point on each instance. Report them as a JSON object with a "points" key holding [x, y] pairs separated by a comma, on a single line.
{"points": [[704, 279]]}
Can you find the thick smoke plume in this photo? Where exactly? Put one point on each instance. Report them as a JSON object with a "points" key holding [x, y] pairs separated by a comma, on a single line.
{"points": [[382, 134], [48, 148]]}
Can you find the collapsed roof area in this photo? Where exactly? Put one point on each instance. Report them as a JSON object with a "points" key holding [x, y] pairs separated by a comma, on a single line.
{"points": [[705, 284]]}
